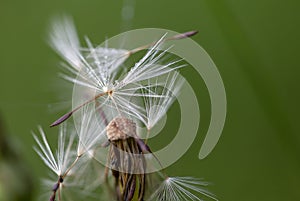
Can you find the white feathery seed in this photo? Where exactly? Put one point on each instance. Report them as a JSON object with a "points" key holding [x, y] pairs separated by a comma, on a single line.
{"points": [[59, 163], [157, 106], [64, 40], [91, 131], [181, 188], [98, 68]]}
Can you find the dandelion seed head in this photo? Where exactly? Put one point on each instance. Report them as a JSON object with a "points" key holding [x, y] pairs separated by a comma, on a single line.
{"points": [[119, 100]]}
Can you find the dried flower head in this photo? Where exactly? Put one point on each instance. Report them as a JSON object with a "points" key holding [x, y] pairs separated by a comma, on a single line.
{"points": [[107, 121]]}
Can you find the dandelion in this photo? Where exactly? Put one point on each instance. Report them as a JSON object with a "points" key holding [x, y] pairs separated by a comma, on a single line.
{"points": [[106, 122]]}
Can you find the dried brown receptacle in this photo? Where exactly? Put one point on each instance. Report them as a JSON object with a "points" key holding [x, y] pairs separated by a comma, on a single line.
{"points": [[126, 159]]}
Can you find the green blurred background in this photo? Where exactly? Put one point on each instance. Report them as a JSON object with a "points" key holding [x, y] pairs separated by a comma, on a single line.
{"points": [[255, 45]]}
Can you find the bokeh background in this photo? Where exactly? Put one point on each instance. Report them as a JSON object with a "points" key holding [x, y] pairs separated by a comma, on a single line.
{"points": [[255, 45]]}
